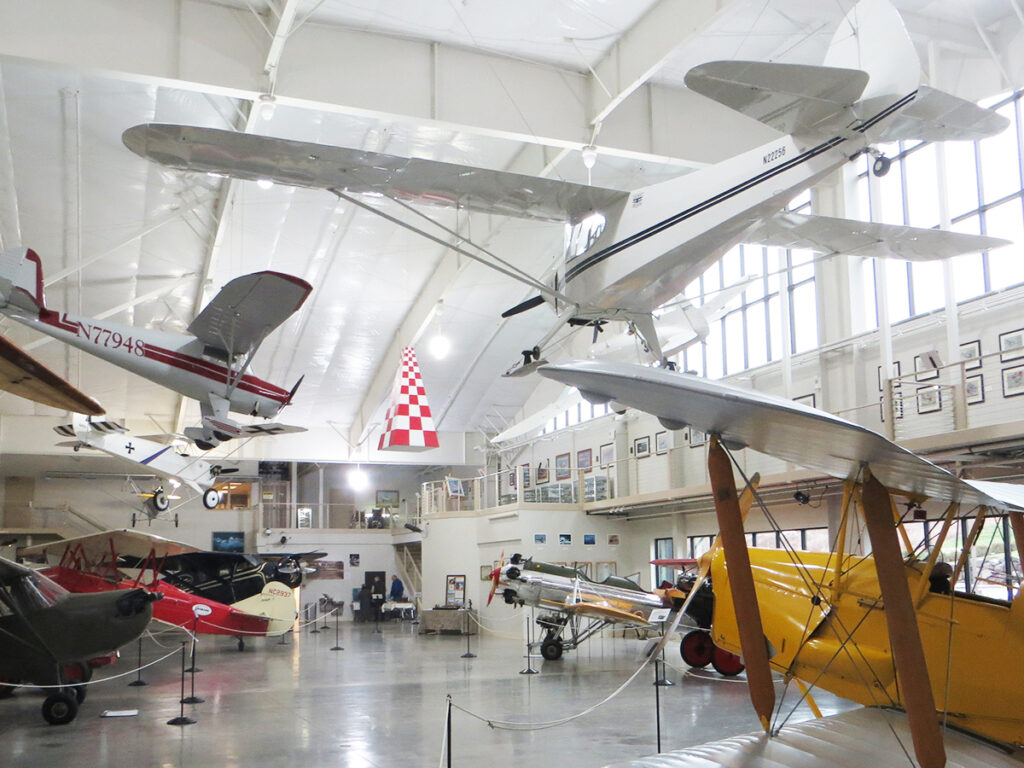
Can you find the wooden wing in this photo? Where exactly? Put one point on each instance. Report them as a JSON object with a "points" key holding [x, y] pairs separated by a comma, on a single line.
{"points": [[24, 376], [247, 309]]}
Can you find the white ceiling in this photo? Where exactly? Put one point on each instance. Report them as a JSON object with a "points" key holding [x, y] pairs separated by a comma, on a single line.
{"points": [[506, 86]]}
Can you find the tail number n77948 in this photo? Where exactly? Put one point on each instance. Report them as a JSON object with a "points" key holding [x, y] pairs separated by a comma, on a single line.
{"points": [[775, 154]]}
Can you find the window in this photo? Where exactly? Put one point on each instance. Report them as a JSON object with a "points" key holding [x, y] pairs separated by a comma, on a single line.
{"points": [[663, 549]]}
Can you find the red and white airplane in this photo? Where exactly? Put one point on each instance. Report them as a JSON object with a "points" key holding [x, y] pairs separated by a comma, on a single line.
{"points": [[208, 364], [632, 252]]}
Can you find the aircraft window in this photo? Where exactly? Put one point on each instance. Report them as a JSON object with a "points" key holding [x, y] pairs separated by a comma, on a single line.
{"points": [[35, 591], [6, 603]]}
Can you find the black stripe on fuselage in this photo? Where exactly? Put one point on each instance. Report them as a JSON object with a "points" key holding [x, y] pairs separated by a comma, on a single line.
{"points": [[654, 229]]}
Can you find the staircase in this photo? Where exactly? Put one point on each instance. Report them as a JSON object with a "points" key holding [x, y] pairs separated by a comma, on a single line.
{"points": [[409, 559]]}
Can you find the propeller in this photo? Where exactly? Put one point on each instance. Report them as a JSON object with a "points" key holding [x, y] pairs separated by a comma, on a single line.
{"points": [[294, 390], [495, 577]]}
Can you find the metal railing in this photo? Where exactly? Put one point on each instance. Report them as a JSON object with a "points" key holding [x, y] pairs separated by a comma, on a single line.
{"points": [[338, 515]]}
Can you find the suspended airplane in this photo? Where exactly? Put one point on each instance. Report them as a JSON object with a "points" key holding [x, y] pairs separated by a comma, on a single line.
{"points": [[48, 636], [630, 252], [888, 629], [217, 593], [162, 460], [208, 364], [579, 607]]}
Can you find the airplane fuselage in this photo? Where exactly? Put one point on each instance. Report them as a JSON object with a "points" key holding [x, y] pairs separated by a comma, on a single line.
{"points": [[669, 233], [176, 361]]}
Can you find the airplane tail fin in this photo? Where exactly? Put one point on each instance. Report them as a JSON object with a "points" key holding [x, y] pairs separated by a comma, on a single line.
{"points": [[276, 602], [873, 39], [21, 279]]}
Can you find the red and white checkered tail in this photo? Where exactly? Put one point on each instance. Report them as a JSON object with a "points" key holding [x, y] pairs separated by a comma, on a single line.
{"points": [[408, 425]]}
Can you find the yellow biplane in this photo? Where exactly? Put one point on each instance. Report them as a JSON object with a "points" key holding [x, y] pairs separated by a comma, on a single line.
{"points": [[889, 629]]}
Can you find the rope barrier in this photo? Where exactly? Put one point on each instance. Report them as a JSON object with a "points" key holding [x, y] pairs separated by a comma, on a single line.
{"points": [[93, 682], [236, 632]]}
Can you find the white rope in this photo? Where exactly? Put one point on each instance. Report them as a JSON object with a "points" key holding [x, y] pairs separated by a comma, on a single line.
{"points": [[92, 682]]}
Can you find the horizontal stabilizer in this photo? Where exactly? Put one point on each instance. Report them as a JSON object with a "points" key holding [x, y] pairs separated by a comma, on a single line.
{"points": [[247, 309], [829, 235], [270, 428], [276, 602], [792, 98], [523, 306], [938, 116], [318, 166], [24, 376], [98, 427], [605, 612]]}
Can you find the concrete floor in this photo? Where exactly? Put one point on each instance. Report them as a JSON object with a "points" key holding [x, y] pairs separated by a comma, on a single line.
{"points": [[380, 703]]}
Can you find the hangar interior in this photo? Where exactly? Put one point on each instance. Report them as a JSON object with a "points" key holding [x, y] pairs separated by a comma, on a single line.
{"points": [[929, 354]]}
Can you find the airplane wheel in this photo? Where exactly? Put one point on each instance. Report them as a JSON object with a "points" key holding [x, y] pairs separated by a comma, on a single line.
{"points": [[60, 708], [211, 498], [551, 650], [725, 663], [697, 648], [160, 501], [80, 692], [881, 166]]}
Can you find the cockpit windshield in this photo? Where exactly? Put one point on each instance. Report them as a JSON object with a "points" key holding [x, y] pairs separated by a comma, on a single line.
{"points": [[582, 235], [31, 593]]}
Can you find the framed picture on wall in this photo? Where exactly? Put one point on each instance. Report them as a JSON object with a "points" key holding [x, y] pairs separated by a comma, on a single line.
{"points": [[642, 447], [970, 355], [923, 370], [526, 475], [697, 438], [585, 459], [974, 389], [929, 399], [1011, 345], [540, 539], [589, 539], [606, 455], [662, 442], [387, 499], [562, 470], [542, 472], [613, 539], [455, 590], [897, 371], [1013, 381], [809, 400], [485, 572], [454, 486], [565, 539]]}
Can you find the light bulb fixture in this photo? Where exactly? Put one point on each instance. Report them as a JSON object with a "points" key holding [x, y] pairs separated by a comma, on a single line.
{"points": [[589, 155], [358, 480], [440, 346], [264, 183], [266, 106]]}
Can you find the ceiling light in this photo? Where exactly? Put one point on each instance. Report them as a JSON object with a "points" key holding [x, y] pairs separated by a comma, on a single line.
{"points": [[440, 346], [589, 155], [267, 105], [358, 480], [264, 183]]}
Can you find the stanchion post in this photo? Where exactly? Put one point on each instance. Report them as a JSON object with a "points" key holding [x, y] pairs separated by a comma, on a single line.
{"points": [[195, 628], [192, 698], [316, 618], [448, 740], [328, 613], [337, 643], [660, 677], [529, 643], [468, 654], [657, 702], [181, 719], [138, 680]]}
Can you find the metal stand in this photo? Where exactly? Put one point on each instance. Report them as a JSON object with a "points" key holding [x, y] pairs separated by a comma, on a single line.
{"points": [[529, 643], [328, 613], [316, 616], [193, 669], [192, 698], [284, 639], [657, 701], [659, 670], [448, 725], [468, 654], [181, 719], [138, 680], [376, 618], [337, 643]]}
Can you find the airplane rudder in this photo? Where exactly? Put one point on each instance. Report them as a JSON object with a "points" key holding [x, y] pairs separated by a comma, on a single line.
{"points": [[21, 278], [872, 38]]}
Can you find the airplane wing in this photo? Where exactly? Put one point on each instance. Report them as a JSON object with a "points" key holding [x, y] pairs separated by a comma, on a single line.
{"points": [[24, 376], [605, 613], [792, 98], [828, 235], [247, 309], [97, 547], [937, 116], [777, 427], [269, 428], [318, 166]]}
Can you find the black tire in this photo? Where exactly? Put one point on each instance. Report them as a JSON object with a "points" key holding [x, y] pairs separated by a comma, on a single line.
{"points": [[696, 648], [211, 498], [60, 708], [881, 166], [551, 650], [80, 692], [160, 502]]}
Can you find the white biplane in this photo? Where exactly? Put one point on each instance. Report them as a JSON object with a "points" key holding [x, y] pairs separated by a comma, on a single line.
{"points": [[631, 252], [209, 364]]}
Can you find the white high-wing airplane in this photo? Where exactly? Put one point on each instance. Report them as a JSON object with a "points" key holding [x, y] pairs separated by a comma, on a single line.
{"points": [[631, 252], [208, 364]]}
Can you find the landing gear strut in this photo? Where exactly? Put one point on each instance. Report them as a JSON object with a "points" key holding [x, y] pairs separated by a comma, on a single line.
{"points": [[529, 355]]}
